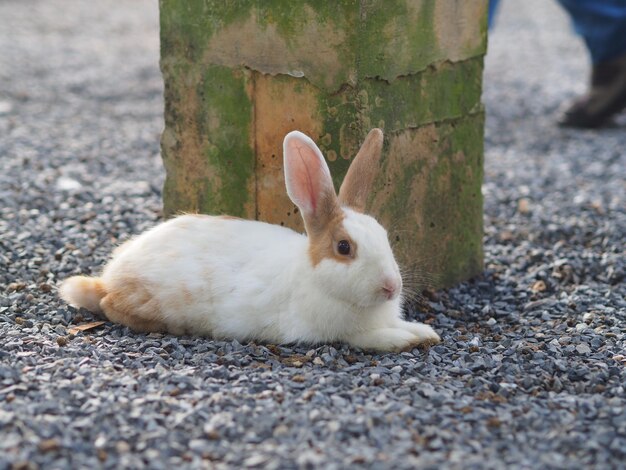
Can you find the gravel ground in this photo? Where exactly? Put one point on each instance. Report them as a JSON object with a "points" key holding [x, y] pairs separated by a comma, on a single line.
{"points": [[531, 373]]}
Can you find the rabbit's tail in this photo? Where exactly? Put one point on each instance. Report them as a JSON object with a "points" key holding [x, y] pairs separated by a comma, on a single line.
{"points": [[83, 291]]}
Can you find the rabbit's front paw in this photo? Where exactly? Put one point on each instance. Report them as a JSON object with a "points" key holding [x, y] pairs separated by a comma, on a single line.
{"points": [[389, 339], [424, 333]]}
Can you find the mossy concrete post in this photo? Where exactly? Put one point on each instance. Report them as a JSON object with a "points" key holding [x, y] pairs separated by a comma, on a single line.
{"points": [[239, 75]]}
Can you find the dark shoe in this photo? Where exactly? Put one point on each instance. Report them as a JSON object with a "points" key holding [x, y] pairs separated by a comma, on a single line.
{"points": [[606, 97]]}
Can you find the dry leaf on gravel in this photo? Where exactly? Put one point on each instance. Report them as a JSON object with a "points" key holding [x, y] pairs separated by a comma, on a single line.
{"points": [[87, 326]]}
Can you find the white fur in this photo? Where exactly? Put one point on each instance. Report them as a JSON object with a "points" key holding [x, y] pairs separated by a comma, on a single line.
{"points": [[252, 280]]}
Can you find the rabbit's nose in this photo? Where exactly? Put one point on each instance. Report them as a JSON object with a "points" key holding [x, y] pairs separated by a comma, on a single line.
{"points": [[390, 288]]}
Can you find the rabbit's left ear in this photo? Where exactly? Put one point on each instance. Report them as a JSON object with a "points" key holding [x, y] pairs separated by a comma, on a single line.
{"points": [[359, 179]]}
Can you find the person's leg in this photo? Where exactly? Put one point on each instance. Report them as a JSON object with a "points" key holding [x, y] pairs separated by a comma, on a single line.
{"points": [[493, 7], [602, 25]]}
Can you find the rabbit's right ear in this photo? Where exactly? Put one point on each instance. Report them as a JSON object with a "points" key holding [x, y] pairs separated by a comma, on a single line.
{"points": [[308, 181]]}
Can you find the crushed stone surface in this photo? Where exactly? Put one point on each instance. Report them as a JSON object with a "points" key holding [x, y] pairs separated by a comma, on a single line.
{"points": [[532, 369]]}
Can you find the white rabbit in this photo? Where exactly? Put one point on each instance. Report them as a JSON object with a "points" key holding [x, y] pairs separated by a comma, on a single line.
{"points": [[225, 277]]}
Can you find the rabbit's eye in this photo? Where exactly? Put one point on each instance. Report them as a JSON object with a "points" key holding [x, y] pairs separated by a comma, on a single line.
{"points": [[343, 247]]}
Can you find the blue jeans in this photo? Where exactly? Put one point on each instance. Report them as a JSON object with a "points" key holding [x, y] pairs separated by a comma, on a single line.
{"points": [[601, 23]]}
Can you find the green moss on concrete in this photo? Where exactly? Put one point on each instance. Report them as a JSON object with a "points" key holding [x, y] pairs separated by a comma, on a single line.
{"points": [[454, 206], [188, 25], [372, 38], [447, 91], [224, 119], [205, 145], [389, 27], [178, 190], [436, 198], [291, 18]]}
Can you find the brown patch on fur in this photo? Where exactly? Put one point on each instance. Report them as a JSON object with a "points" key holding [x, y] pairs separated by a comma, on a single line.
{"points": [[363, 170], [92, 283], [324, 227], [323, 243], [131, 303], [187, 296], [228, 217], [326, 213]]}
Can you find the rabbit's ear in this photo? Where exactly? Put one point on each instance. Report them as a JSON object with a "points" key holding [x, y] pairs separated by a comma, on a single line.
{"points": [[362, 172], [308, 181]]}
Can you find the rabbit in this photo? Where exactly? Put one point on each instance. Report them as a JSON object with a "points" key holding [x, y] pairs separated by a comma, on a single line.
{"points": [[229, 278]]}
